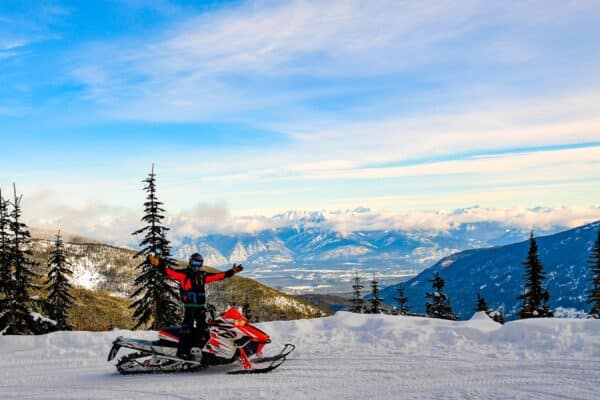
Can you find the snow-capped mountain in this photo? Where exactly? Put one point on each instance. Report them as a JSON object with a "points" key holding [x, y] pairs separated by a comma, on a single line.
{"points": [[497, 274], [305, 252]]}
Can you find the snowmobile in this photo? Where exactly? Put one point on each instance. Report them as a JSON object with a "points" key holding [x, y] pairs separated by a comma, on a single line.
{"points": [[232, 338]]}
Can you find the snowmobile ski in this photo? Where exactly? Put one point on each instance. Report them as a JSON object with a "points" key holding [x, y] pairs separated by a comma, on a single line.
{"points": [[274, 365], [287, 349]]}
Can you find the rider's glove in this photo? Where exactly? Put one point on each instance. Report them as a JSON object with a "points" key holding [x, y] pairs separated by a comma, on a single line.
{"points": [[152, 259], [237, 268]]}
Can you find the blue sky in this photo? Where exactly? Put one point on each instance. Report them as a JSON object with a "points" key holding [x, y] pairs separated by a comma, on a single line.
{"points": [[256, 107]]}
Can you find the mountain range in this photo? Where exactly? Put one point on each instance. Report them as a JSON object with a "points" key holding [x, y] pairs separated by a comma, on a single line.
{"points": [[106, 273], [497, 274], [306, 253]]}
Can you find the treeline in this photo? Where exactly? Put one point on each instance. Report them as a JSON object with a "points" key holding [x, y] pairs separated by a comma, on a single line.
{"points": [[21, 311], [34, 304], [534, 299], [154, 302]]}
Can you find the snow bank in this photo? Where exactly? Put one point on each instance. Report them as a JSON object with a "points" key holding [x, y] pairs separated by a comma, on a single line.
{"points": [[349, 356], [378, 334]]}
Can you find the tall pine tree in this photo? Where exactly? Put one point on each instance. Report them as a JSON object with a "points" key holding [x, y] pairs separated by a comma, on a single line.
{"points": [[375, 302], [59, 299], [18, 317], [594, 293], [156, 300], [535, 298], [497, 315], [357, 303], [439, 304], [247, 311], [402, 301], [5, 265], [481, 304]]}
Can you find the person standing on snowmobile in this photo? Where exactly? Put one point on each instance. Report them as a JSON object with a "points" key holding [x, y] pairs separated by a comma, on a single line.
{"points": [[192, 283]]}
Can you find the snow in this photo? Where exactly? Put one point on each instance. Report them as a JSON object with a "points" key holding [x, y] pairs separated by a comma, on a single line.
{"points": [[39, 317], [344, 252], [564, 312], [346, 356], [85, 273]]}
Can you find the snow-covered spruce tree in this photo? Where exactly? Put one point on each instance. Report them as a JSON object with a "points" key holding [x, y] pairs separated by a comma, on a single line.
{"points": [[535, 298], [496, 315], [481, 304], [402, 301], [155, 299], [59, 299], [439, 304], [375, 302], [5, 268], [19, 316], [594, 293], [357, 302]]}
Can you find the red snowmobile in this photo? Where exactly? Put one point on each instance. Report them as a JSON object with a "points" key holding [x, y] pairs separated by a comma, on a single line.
{"points": [[232, 338]]}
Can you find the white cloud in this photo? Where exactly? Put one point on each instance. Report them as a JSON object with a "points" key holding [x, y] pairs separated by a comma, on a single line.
{"points": [[227, 64], [227, 61], [218, 65], [99, 221], [9, 44], [495, 125], [443, 220], [106, 223]]}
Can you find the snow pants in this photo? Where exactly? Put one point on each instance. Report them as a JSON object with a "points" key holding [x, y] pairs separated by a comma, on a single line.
{"points": [[194, 331]]}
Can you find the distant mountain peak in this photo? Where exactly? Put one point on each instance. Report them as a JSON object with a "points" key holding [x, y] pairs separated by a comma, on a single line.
{"points": [[497, 273], [300, 216]]}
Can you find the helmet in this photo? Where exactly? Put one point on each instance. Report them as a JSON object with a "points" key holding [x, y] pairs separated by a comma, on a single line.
{"points": [[196, 262]]}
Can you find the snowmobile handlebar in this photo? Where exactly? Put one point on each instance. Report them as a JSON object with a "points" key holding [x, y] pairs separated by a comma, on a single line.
{"points": [[211, 310]]}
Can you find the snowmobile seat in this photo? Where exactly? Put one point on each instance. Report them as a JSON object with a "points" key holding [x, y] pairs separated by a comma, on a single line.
{"points": [[171, 334]]}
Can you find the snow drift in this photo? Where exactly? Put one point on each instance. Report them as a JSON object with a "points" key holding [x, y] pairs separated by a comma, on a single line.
{"points": [[343, 356]]}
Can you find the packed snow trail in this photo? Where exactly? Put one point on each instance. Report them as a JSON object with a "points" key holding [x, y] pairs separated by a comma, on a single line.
{"points": [[346, 356]]}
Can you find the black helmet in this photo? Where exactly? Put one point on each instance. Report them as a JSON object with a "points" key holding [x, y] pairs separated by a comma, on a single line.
{"points": [[196, 261]]}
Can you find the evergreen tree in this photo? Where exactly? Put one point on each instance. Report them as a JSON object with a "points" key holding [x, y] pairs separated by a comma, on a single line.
{"points": [[357, 300], [594, 293], [481, 304], [18, 317], [5, 266], [535, 298], [246, 310], [402, 301], [439, 306], [156, 301], [375, 302], [497, 315], [59, 299]]}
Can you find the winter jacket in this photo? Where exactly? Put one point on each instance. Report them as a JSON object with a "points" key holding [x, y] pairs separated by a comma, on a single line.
{"points": [[192, 284]]}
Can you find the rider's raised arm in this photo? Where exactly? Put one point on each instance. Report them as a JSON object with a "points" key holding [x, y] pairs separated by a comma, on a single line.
{"points": [[175, 275], [217, 276], [169, 272]]}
